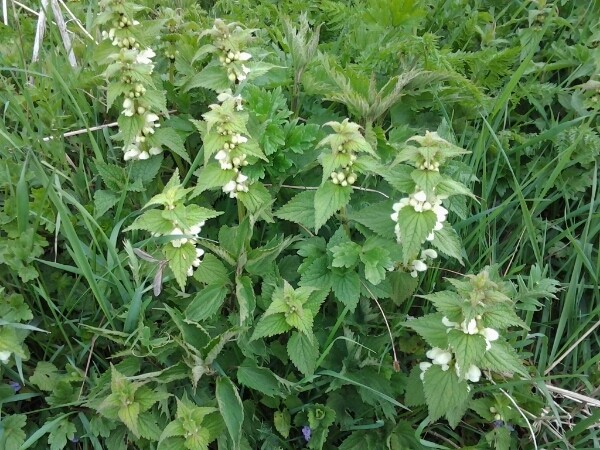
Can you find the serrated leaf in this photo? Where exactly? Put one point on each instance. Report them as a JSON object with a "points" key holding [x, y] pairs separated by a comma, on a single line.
{"points": [[129, 416], [210, 177], [270, 326], [468, 349], [283, 422], [300, 209], [430, 328], [103, 201], [189, 215], [303, 352], [232, 410], [414, 228], [206, 303], [376, 261], [148, 426], [112, 175], [448, 242], [168, 137], [445, 394], [152, 221], [399, 177], [114, 90], [501, 357], [329, 198], [260, 379], [414, 388], [256, 198], [449, 187], [448, 303], [427, 180], [212, 271], [14, 309], [502, 316], [213, 77], [155, 100], [403, 286], [376, 217], [245, 297], [180, 260], [130, 127], [346, 287]]}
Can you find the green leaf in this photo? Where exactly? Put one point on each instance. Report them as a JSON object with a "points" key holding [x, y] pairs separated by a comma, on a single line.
{"points": [[414, 388], [448, 187], [129, 127], [346, 254], [399, 177], [300, 209], [129, 416], [503, 358], [231, 409], [256, 198], [329, 198], [376, 217], [168, 137], [113, 176], [430, 328], [414, 228], [63, 431], [427, 180], [210, 177], [445, 394], [115, 88], [12, 435], [283, 422], [448, 303], [206, 303], [186, 216], [148, 426], [376, 261], [155, 100], [152, 221], [303, 353], [213, 77], [468, 349], [260, 379], [448, 242], [403, 286], [270, 326], [45, 376], [502, 316], [103, 201], [180, 260], [212, 271], [346, 287]]}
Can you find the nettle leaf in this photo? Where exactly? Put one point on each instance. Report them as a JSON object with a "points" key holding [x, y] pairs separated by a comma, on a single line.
{"points": [[300, 209], [113, 176], [103, 201], [403, 286], [212, 270], [303, 352], [186, 216], [448, 242], [446, 394], [232, 410], [414, 395], [168, 137], [449, 187], [180, 260], [430, 328], [502, 316], [329, 198], [213, 77], [414, 228], [427, 180], [449, 303], [207, 302], [152, 221], [468, 348], [63, 431], [245, 296], [129, 128], [269, 326], [346, 287], [115, 89], [256, 198], [12, 435], [503, 358], [399, 177], [346, 254], [211, 176], [283, 422], [376, 217]]}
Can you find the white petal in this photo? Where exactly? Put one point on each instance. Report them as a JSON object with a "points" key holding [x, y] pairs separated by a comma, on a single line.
{"points": [[420, 196], [419, 265], [155, 150], [221, 154], [230, 186], [490, 334], [429, 253], [448, 323], [4, 356], [424, 366], [245, 56], [394, 216], [473, 374]]}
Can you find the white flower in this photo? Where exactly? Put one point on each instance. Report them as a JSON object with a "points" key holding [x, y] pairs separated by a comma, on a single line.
{"points": [[245, 69], [473, 374], [4, 356], [155, 150], [490, 334], [230, 187], [128, 107], [430, 237], [144, 155], [429, 253], [440, 212], [221, 155], [177, 242], [469, 328], [145, 56], [241, 178], [199, 252], [244, 56], [440, 357], [190, 270], [420, 196], [417, 266], [424, 366], [131, 152], [225, 95], [394, 216], [438, 226], [448, 323]]}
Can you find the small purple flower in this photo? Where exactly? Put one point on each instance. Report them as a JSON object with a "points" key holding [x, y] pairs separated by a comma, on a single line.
{"points": [[16, 386], [306, 432]]}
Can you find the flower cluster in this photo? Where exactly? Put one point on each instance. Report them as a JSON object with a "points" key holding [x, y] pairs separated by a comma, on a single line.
{"points": [[444, 359], [345, 176], [229, 40], [184, 236], [473, 327], [128, 63], [420, 265]]}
